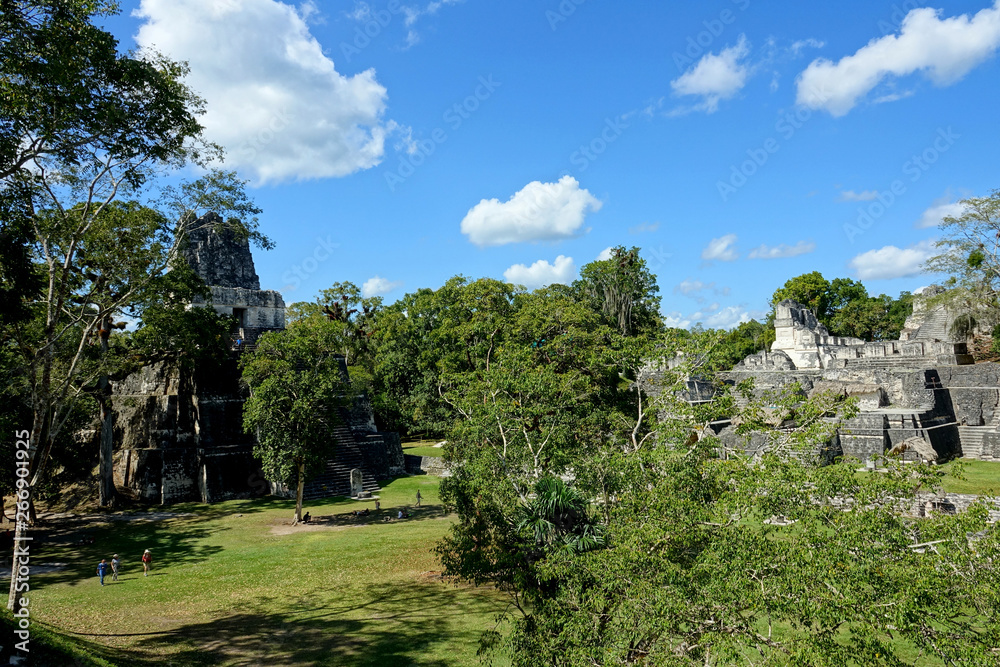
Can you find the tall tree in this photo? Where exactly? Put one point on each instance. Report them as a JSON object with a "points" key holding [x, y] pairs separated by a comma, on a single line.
{"points": [[844, 306], [352, 314], [809, 289], [970, 253], [625, 290], [296, 391], [720, 559], [83, 127]]}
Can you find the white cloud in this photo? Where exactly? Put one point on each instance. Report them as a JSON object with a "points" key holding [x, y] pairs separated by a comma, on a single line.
{"points": [[378, 286], [727, 318], [892, 262], [689, 287], [676, 320], [541, 273], [695, 289], [363, 11], [892, 97], [781, 250], [275, 102], [938, 211], [605, 254], [803, 44], [864, 195], [715, 77], [943, 50], [721, 249], [644, 227], [538, 212]]}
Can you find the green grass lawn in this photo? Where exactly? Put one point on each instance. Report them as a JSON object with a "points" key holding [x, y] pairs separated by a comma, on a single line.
{"points": [[423, 448], [980, 477], [236, 584]]}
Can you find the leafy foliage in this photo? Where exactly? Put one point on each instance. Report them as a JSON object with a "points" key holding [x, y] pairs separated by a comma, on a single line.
{"points": [[969, 247], [296, 391], [673, 547], [625, 290], [845, 307]]}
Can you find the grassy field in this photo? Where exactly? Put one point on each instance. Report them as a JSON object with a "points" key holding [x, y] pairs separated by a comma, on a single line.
{"points": [[980, 477], [235, 584], [423, 448]]}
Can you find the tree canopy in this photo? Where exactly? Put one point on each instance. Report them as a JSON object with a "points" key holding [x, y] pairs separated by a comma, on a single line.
{"points": [[296, 391], [969, 254], [844, 306]]}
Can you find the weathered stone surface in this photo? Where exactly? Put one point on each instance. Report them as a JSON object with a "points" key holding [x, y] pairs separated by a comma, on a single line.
{"points": [[809, 345], [920, 387], [429, 465], [218, 256], [180, 432]]}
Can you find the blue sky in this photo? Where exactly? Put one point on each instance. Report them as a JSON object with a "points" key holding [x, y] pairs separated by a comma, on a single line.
{"points": [[395, 144]]}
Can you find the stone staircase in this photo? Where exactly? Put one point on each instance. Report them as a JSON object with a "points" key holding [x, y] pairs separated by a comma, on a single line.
{"points": [[935, 327], [971, 437], [335, 480]]}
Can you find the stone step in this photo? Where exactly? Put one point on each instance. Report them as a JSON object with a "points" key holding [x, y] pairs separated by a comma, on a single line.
{"points": [[971, 439], [335, 479]]}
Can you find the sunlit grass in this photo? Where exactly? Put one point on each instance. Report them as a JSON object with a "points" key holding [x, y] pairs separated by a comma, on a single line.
{"points": [[236, 584], [978, 477], [423, 448]]}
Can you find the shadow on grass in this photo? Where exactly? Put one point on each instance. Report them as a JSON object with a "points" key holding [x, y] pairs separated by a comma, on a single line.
{"points": [[386, 515], [82, 545], [399, 624], [51, 647]]}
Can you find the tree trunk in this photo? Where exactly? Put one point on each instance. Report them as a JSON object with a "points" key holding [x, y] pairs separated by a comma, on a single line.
{"points": [[298, 493], [108, 493]]}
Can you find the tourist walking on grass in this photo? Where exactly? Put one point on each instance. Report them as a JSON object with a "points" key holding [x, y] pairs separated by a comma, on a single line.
{"points": [[102, 569], [147, 562], [115, 564], [418, 497]]}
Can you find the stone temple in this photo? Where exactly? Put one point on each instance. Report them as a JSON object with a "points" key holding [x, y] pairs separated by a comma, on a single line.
{"points": [[922, 386], [178, 433], [225, 264]]}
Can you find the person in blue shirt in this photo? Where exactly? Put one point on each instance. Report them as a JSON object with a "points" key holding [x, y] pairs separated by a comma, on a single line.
{"points": [[102, 569]]}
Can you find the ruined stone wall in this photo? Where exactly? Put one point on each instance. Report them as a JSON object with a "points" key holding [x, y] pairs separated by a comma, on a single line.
{"points": [[974, 392], [216, 254], [179, 435], [382, 455]]}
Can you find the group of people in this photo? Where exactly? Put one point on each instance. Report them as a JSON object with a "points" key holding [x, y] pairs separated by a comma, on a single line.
{"points": [[114, 567]]}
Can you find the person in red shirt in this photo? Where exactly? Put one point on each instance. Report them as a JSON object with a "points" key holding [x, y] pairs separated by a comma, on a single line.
{"points": [[147, 561]]}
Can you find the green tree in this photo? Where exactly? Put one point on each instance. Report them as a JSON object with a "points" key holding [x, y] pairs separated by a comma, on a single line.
{"points": [[429, 333], [296, 392], [969, 254], [743, 340], [844, 306], [84, 129], [809, 289], [557, 517], [712, 556], [352, 314], [624, 289]]}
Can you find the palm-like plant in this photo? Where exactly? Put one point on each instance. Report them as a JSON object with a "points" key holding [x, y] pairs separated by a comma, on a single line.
{"points": [[557, 518]]}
